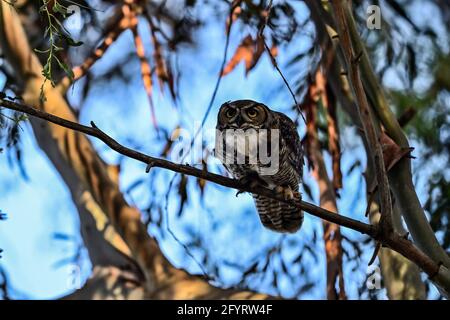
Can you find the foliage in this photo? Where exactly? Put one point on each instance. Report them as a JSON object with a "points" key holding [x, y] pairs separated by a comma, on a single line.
{"points": [[10, 134], [54, 11]]}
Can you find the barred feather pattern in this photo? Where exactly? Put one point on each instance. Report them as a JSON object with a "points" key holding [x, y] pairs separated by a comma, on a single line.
{"points": [[274, 215]]}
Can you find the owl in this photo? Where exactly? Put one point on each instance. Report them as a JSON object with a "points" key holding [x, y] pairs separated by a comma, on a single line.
{"points": [[276, 136]]}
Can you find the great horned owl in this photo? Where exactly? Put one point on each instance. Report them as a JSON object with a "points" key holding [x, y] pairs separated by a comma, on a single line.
{"points": [[277, 136]]}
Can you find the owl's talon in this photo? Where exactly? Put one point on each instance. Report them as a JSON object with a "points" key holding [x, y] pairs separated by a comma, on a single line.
{"points": [[239, 192], [288, 194], [286, 191], [251, 181], [279, 189]]}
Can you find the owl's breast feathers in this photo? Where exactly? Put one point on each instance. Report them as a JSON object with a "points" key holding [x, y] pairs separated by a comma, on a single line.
{"points": [[275, 215]]}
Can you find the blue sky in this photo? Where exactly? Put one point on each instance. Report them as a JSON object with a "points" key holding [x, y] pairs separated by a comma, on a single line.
{"points": [[41, 240]]}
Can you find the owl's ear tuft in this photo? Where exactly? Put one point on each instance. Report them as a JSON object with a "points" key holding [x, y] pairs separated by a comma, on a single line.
{"points": [[226, 103]]}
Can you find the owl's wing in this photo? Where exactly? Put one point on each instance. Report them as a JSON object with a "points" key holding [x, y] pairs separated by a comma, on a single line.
{"points": [[290, 135]]}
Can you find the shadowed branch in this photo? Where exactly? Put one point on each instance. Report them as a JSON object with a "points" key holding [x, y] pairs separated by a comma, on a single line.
{"points": [[392, 240]]}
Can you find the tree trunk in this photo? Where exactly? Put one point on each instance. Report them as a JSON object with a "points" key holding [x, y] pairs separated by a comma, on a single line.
{"points": [[127, 262]]}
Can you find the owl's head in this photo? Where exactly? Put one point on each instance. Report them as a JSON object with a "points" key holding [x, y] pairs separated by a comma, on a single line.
{"points": [[243, 114]]}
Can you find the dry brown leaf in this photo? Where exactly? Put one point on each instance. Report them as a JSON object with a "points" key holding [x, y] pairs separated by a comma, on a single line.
{"points": [[392, 152], [274, 51], [244, 52], [258, 51], [250, 51], [160, 64], [146, 71]]}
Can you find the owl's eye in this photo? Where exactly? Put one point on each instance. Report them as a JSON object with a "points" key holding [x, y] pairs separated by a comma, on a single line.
{"points": [[230, 113], [252, 113]]}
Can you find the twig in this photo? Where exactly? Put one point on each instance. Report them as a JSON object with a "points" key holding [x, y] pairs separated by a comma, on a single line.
{"points": [[174, 236], [274, 61], [219, 77], [275, 64], [266, 18], [375, 253], [216, 87]]}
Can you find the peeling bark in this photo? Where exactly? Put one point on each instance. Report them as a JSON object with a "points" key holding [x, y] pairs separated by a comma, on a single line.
{"points": [[331, 232]]}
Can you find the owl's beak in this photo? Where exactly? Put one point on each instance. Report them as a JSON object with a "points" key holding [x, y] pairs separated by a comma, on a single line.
{"points": [[238, 120]]}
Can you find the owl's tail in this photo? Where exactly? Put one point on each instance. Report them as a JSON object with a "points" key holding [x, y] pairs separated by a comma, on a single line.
{"points": [[278, 216]]}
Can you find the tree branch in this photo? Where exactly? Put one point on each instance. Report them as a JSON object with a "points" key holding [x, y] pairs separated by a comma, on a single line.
{"points": [[351, 58], [94, 131], [393, 240], [401, 178], [407, 283]]}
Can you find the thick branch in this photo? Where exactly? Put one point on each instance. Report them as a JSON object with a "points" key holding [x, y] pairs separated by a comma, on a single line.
{"points": [[401, 277], [186, 169], [409, 275], [400, 179], [352, 60]]}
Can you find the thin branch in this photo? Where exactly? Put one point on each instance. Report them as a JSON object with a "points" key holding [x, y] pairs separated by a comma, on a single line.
{"points": [[392, 240], [274, 61], [189, 170], [219, 77], [275, 64]]}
